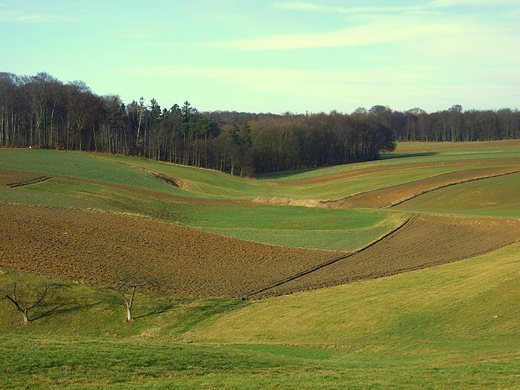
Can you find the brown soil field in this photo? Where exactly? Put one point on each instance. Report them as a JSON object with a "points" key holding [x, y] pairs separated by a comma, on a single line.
{"points": [[9, 178], [106, 247], [392, 196], [424, 241]]}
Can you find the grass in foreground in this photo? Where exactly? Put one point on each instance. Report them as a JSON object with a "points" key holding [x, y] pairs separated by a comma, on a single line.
{"points": [[453, 326], [466, 301], [95, 364]]}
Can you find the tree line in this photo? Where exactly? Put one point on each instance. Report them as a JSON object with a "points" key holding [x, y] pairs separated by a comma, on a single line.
{"points": [[41, 111]]}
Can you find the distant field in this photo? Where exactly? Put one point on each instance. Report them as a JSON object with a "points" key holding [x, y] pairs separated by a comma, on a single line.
{"points": [[290, 226], [392, 196], [494, 197], [302, 227], [100, 247], [80, 166]]}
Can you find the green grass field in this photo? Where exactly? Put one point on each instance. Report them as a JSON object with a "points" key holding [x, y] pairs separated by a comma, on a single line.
{"points": [[453, 326], [491, 197]]}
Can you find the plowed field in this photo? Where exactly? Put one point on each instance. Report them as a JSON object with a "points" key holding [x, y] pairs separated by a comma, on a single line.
{"points": [[391, 196], [424, 241], [105, 247]]}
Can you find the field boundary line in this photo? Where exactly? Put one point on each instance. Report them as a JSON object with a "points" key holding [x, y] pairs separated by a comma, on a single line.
{"points": [[344, 202], [327, 263], [451, 184], [34, 180]]}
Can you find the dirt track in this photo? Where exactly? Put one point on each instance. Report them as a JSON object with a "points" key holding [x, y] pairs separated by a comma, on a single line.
{"points": [[104, 247]]}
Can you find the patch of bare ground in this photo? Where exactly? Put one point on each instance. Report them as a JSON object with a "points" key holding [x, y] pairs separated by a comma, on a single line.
{"points": [[424, 241], [10, 178], [162, 177], [392, 196], [103, 247]]}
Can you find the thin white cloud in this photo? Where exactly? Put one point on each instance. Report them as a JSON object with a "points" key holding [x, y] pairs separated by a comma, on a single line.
{"points": [[303, 6], [400, 30], [450, 3], [299, 5], [17, 16], [345, 89], [428, 6], [348, 37]]}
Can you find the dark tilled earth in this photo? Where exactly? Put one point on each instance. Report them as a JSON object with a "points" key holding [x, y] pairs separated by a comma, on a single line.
{"points": [[106, 247]]}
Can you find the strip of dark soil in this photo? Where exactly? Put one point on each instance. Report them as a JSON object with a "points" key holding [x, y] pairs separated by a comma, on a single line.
{"points": [[425, 241], [106, 247], [12, 179]]}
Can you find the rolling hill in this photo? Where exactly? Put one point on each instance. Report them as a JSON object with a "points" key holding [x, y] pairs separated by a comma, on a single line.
{"points": [[326, 255]]}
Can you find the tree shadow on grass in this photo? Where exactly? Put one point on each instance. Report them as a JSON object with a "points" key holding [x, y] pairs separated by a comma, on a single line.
{"points": [[283, 174], [60, 308], [159, 310], [392, 156]]}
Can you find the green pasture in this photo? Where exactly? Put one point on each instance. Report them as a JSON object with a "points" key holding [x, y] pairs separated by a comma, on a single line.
{"points": [[201, 181], [23, 196], [420, 153], [497, 196], [102, 197], [303, 227], [405, 166], [216, 184], [80, 166], [453, 326], [470, 300], [207, 183]]}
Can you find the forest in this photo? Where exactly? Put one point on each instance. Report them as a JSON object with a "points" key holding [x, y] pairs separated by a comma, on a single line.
{"points": [[40, 111]]}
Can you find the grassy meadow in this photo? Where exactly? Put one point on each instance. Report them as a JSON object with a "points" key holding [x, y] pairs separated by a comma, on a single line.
{"points": [[453, 326]]}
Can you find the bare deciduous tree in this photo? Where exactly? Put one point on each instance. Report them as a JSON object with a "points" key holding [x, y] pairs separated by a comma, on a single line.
{"points": [[25, 297], [127, 289]]}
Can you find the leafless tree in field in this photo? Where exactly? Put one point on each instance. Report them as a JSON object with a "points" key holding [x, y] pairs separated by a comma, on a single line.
{"points": [[127, 289], [25, 297]]}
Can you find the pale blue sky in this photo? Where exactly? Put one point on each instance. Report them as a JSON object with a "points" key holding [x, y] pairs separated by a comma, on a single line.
{"points": [[274, 56]]}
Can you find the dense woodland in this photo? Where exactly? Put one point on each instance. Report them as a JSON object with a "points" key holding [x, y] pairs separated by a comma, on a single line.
{"points": [[41, 111]]}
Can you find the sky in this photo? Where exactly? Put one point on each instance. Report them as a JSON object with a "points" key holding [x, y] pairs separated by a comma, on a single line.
{"points": [[274, 56]]}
